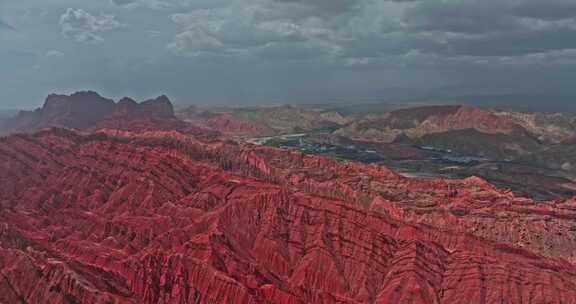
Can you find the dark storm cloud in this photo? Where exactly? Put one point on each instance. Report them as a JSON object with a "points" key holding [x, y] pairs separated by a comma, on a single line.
{"points": [[514, 43], [546, 10], [490, 28], [372, 28], [460, 17], [363, 45], [487, 15]]}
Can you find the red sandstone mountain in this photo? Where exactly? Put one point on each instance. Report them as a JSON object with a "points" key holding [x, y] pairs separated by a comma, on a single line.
{"points": [[163, 217], [265, 120], [88, 110], [421, 121], [225, 123], [467, 130], [551, 128]]}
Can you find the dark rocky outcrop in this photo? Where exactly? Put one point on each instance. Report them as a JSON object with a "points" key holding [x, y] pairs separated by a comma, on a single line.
{"points": [[84, 110], [160, 107]]}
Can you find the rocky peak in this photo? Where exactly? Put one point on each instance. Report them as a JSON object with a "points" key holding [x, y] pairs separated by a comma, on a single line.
{"points": [[75, 99], [125, 106], [54, 100], [85, 109], [159, 107], [78, 110]]}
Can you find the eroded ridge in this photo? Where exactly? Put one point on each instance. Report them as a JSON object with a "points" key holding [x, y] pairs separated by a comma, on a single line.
{"points": [[164, 217]]}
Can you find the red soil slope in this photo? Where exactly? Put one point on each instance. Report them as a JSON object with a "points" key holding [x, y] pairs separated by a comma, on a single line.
{"points": [[166, 218]]}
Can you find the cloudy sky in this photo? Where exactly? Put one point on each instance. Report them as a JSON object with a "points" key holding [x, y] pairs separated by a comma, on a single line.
{"points": [[255, 51]]}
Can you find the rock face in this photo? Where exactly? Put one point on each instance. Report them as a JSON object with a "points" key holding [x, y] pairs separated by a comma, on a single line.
{"points": [[84, 110], [164, 217], [79, 110]]}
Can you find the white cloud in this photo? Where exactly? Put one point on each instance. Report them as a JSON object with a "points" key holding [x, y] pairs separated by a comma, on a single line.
{"points": [[81, 26], [250, 26], [195, 42], [292, 29]]}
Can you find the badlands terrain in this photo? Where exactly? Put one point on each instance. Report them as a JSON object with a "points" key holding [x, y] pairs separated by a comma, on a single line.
{"points": [[127, 202]]}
